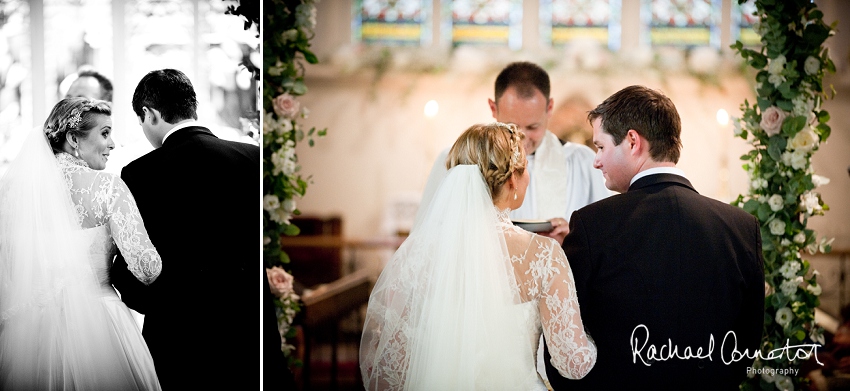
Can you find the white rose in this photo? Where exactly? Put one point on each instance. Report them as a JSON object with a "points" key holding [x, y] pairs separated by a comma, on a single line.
{"points": [[784, 383], [815, 289], [805, 140], [802, 105], [775, 202], [270, 202], [818, 180], [788, 287], [799, 160], [800, 238], [785, 242], [776, 80], [289, 205], [784, 316], [776, 65], [786, 158], [284, 128], [789, 269], [809, 201], [777, 227], [289, 35], [771, 120], [812, 65], [768, 374], [266, 240]]}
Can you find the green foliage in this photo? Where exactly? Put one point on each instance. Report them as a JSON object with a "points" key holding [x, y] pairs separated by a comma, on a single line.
{"points": [[790, 66], [287, 31]]}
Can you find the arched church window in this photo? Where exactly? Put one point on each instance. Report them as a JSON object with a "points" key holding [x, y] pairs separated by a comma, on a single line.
{"points": [[683, 23], [392, 22], [566, 20], [482, 22]]}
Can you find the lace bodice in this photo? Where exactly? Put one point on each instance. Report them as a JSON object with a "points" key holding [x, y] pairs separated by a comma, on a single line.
{"points": [[544, 278], [103, 200]]}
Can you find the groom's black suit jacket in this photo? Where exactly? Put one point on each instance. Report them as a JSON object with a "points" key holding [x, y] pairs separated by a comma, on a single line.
{"points": [[685, 266], [198, 197]]}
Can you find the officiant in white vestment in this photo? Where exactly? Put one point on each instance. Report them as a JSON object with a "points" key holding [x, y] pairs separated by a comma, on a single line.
{"points": [[562, 175]]}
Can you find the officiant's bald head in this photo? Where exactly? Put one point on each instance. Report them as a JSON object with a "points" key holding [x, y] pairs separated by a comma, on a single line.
{"points": [[90, 84], [522, 98]]}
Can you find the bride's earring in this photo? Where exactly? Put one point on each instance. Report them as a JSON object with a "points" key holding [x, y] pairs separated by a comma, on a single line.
{"points": [[515, 197], [77, 154]]}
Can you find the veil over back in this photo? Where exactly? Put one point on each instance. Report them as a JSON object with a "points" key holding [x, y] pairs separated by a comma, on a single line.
{"points": [[442, 314], [53, 333]]}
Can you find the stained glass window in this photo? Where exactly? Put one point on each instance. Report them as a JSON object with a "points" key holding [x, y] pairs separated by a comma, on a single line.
{"points": [[392, 22], [565, 20], [494, 22], [683, 22], [742, 26]]}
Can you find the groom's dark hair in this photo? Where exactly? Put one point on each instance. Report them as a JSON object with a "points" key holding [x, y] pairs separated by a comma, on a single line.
{"points": [[168, 91]]}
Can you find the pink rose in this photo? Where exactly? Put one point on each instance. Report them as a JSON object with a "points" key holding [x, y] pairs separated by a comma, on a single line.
{"points": [[280, 282], [771, 120], [286, 106]]}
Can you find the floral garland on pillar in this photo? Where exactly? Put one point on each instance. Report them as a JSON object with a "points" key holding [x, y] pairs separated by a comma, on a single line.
{"points": [[785, 126], [287, 32]]}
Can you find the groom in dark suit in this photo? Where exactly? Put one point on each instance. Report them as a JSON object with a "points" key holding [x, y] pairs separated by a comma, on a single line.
{"points": [[669, 282], [198, 196]]}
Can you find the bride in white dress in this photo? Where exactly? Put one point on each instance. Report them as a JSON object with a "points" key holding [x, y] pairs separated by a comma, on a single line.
{"points": [[462, 303], [62, 221]]}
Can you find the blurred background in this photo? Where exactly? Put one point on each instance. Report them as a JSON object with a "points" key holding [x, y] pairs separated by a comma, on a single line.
{"points": [[44, 43]]}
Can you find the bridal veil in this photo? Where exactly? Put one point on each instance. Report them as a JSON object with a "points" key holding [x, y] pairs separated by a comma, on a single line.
{"points": [[442, 314], [54, 332]]}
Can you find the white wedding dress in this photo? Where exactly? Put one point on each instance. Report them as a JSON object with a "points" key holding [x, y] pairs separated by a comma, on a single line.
{"points": [[62, 325], [462, 303]]}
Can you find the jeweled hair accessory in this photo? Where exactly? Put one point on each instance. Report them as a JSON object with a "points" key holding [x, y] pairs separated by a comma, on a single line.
{"points": [[71, 122], [76, 118]]}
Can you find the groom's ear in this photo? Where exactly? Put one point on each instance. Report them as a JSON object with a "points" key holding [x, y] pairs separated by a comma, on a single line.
{"points": [[154, 114]]}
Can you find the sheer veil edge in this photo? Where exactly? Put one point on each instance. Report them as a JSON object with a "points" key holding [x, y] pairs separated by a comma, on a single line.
{"points": [[443, 314], [55, 333]]}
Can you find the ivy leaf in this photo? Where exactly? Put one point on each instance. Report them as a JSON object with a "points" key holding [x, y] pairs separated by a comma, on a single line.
{"points": [[751, 206], [824, 130], [291, 230], [758, 60], [823, 116], [763, 212], [284, 257], [793, 125], [776, 144], [310, 57]]}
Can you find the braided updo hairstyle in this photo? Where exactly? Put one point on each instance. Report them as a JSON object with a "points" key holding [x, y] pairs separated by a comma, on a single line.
{"points": [[73, 116], [495, 148]]}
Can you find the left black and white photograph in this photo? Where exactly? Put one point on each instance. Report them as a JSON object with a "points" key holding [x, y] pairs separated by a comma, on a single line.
{"points": [[129, 180]]}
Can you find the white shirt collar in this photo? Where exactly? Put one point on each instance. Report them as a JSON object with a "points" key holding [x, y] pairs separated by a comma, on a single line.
{"points": [[657, 170], [181, 126]]}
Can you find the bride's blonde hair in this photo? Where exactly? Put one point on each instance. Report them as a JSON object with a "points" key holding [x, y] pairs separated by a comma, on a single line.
{"points": [[74, 116], [496, 149]]}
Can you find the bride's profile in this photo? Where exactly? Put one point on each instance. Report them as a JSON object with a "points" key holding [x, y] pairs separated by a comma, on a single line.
{"points": [[463, 301], [62, 220]]}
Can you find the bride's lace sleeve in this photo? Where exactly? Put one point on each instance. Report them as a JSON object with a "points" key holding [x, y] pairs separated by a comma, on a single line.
{"points": [[573, 351], [128, 231]]}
